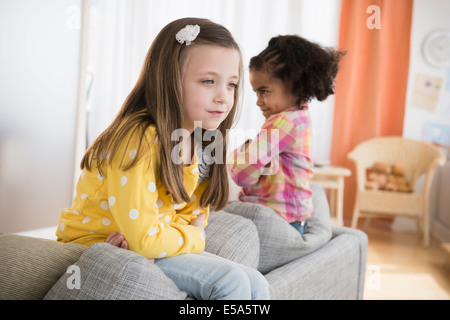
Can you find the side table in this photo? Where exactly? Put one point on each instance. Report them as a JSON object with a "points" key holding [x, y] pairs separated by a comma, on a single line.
{"points": [[332, 178]]}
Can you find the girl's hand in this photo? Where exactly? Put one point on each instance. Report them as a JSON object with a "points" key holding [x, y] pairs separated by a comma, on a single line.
{"points": [[118, 240], [198, 222]]}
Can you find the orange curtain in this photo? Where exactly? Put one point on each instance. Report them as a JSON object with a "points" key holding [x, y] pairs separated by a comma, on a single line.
{"points": [[372, 81]]}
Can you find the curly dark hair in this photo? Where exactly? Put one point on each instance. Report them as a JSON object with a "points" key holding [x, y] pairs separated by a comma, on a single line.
{"points": [[309, 68]]}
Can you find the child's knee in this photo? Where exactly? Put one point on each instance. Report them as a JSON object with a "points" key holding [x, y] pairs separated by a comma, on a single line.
{"points": [[244, 284], [234, 284], [260, 286]]}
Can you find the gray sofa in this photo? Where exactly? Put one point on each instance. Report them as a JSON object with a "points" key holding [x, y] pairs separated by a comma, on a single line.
{"points": [[325, 263]]}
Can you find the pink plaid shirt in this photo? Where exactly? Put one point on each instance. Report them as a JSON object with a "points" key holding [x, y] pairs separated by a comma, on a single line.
{"points": [[275, 169]]}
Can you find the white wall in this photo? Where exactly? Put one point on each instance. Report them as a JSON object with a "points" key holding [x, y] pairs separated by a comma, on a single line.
{"points": [[427, 17], [38, 80]]}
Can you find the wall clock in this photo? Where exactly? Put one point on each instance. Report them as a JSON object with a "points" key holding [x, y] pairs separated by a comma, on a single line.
{"points": [[436, 48]]}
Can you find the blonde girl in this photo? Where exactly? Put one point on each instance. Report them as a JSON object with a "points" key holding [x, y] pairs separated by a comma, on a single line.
{"points": [[145, 191]]}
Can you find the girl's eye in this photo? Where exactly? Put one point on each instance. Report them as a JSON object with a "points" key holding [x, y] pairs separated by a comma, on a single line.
{"points": [[208, 81], [233, 85], [262, 93]]}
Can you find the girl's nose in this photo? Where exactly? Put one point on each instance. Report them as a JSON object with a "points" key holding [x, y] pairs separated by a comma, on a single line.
{"points": [[220, 97], [259, 102]]}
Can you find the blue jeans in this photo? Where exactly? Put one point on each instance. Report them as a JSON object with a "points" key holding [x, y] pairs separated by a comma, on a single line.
{"points": [[301, 227], [206, 276]]}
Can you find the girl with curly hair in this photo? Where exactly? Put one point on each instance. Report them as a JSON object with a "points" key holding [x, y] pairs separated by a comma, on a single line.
{"points": [[288, 74]]}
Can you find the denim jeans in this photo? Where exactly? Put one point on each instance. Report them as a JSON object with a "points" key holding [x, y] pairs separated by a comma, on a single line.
{"points": [[299, 226], [206, 276]]}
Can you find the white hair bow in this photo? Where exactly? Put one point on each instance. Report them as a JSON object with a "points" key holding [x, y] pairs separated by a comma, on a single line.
{"points": [[188, 34]]}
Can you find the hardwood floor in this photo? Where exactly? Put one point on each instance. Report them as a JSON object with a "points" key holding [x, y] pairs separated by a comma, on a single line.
{"points": [[399, 267]]}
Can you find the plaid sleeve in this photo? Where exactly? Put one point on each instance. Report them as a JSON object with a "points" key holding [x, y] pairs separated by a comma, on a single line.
{"points": [[260, 156]]}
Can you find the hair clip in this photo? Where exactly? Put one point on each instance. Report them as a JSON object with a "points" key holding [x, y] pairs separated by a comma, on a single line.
{"points": [[188, 34]]}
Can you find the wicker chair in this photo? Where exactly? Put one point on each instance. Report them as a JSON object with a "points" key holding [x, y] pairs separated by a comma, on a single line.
{"points": [[417, 157]]}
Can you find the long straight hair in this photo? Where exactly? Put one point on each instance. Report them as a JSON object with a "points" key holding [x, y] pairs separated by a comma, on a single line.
{"points": [[157, 99]]}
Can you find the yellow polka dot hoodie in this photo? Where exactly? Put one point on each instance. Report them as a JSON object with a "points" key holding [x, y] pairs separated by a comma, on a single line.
{"points": [[135, 203]]}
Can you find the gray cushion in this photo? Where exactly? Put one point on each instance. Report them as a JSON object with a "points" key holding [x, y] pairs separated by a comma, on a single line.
{"points": [[112, 273], [336, 271], [109, 273], [232, 237], [280, 243], [30, 266]]}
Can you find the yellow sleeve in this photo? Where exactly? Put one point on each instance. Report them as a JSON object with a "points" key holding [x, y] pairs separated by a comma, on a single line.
{"points": [[135, 200], [192, 210]]}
